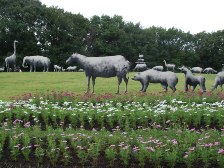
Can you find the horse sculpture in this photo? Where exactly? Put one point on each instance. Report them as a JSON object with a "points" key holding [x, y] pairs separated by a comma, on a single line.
{"points": [[108, 66]]}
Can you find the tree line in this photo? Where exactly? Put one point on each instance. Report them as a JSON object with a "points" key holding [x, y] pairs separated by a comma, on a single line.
{"points": [[52, 32]]}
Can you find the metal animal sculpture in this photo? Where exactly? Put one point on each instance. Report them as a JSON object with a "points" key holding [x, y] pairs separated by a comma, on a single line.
{"points": [[169, 66], [81, 70], [140, 67], [72, 68], [219, 80], [196, 70], [192, 80], [11, 60], [2, 69], [209, 70], [108, 66], [57, 68], [158, 68], [153, 76], [36, 61]]}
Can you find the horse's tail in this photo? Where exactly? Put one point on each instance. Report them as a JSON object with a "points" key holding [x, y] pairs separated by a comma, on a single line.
{"points": [[126, 68]]}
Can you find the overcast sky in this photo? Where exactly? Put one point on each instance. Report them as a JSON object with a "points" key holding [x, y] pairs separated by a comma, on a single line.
{"points": [[188, 15]]}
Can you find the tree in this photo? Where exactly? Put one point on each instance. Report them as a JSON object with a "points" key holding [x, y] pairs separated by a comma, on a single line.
{"points": [[61, 34], [40, 30], [17, 22], [105, 35], [54, 33]]}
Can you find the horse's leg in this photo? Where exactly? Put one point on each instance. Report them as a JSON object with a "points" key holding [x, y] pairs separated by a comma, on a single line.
{"points": [[119, 80], [126, 83], [185, 87], [193, 87], [202, 85], [88, 81], [173, 88], [164, 85], [7, 67], [93, 83]]}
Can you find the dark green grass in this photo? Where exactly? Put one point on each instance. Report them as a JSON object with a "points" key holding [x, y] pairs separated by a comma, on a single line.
{"points": [[14, 84]]}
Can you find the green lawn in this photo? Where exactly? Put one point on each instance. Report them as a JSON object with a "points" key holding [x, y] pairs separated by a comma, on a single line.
{"points": [[13, 84]]}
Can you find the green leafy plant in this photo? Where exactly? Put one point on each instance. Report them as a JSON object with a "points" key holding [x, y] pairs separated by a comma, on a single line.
{"points": [[83, 156], [111, 155], [39, 153], [26, 146], [52, 152], [94, 151], [124, 154], [14, 146]]}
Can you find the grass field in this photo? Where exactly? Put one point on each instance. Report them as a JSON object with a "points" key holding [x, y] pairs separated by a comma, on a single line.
{"points": [[13, 84]]}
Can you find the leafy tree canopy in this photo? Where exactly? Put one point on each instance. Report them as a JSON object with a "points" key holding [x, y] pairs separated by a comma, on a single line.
{"points": [[57, 34]]}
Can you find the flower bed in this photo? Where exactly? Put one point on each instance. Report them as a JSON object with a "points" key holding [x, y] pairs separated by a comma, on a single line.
{"points": [[113, 131]]}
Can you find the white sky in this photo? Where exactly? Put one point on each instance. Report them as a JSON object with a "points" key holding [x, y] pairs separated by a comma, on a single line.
{"points": [[188, 15]]}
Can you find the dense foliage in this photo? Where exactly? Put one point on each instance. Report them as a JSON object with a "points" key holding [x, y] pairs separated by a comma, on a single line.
{"points": [[55, 33]]}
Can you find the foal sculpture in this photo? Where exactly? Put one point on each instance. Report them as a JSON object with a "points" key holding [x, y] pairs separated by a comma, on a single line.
{"points": [[192, 80]]}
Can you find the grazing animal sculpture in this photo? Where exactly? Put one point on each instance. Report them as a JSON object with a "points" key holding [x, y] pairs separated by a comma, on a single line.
{"points": [[209, 70], [18, 69], [219, 80], [57, 68], [140, 67], [81, 70], [192, 80], [71, 69], [36, 61], [108, 66], [11, 60], [169, 66], [153, 76], [158, 68], [2, 69], [196, 70]]}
